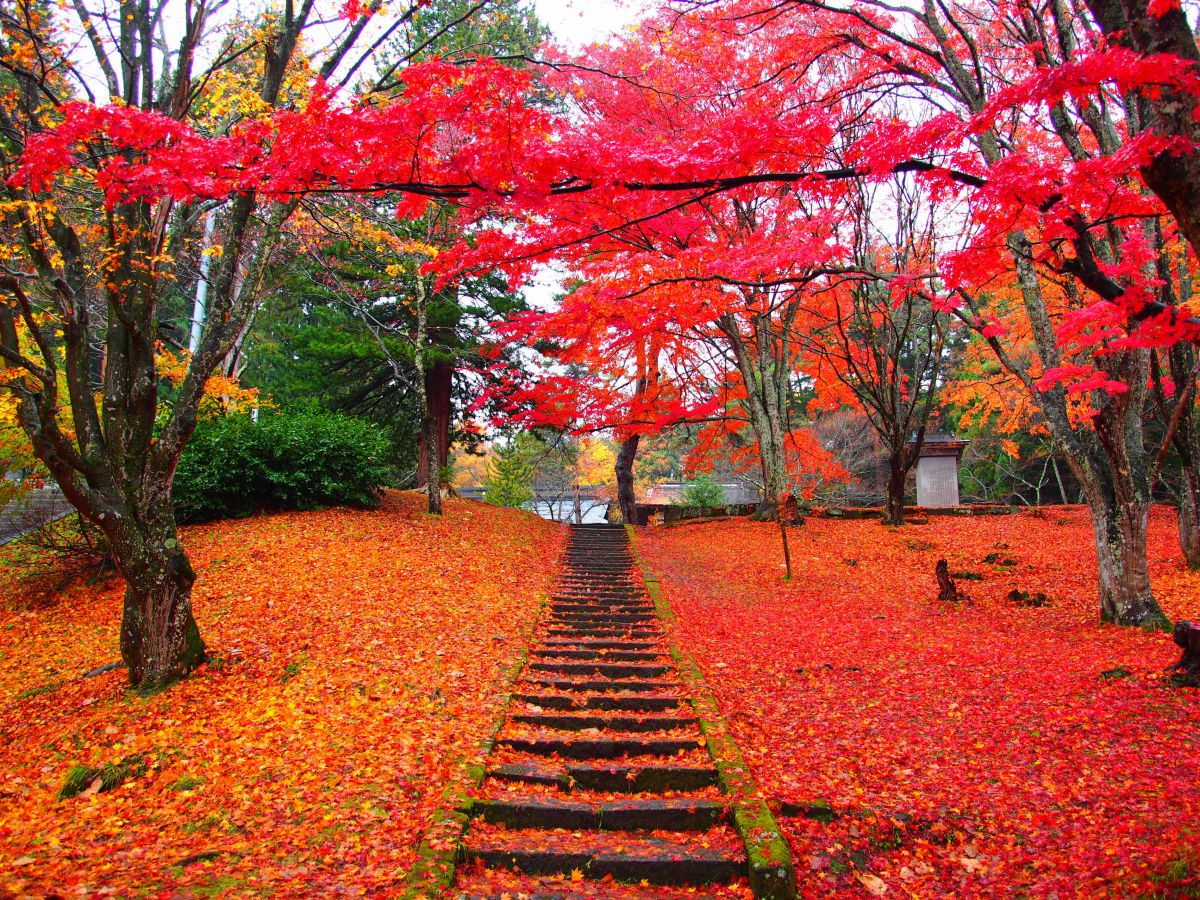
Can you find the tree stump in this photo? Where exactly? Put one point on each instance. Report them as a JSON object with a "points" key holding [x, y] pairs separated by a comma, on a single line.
{"points": [[789, 510], [947, 589], [1187, 670]]}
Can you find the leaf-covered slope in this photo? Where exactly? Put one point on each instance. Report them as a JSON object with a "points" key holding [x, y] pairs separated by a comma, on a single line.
{"points": [[979, 750], [359, 655]]}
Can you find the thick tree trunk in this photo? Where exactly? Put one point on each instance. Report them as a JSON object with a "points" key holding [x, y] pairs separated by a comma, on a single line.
{"points": [[1189, 517], [774, 473], [439, 379], [433, 471], [1120, 526], [626, 498], [897, 475], [160, 642]]}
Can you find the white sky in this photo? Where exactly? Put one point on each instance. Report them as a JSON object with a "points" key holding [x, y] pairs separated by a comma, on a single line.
{"points": [[576, 23]]}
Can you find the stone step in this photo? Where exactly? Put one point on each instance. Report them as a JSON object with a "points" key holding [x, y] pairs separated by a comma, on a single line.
{"points": [[523, 774], [595, 582], [599, 580], [595, 855], [614, 655], [609, 670], [603, 620], [567, 722], [630, 632], [605, 615], [611, 577], [550, 744], [489, 885], [565, 593], [613, 778], [601, 605], [609, 565], [672, 814], [639, 779], [595, 685], [625, 704], [600, 644]]}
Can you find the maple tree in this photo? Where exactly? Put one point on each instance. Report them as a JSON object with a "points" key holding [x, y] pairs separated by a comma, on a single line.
{"points": [[659, 175], [1055, 193], [103, 267], [878, 336]]}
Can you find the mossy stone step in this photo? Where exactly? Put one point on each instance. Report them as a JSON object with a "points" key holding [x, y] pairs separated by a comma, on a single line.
{"points": [[602, 599], [614, 778], [612, 566], [674, 814], [561, 722], [626, 704], [632, 630], [590, 604], [601, 644], [603, 618], [600, 590], [595, 685], [654, 861], [614, 655], [595, 583], [588, 618], [640, 779], [599, 748], [609, 670], [522, 774]]}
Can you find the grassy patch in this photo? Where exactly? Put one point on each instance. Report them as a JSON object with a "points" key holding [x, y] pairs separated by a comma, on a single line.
{"points": [[292, 669], [186, 783], [81, 779], [43, 689]]}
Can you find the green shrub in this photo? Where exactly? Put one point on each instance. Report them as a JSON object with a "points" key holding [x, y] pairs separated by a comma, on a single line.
{"points": [[234, 466], [703, 490]]}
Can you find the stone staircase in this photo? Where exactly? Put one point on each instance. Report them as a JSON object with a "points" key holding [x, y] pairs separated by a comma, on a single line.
{"points": [[600, 784]]}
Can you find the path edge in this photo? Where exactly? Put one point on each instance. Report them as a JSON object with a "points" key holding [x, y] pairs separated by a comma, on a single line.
{"points": [[769, 860], [438, 855]]}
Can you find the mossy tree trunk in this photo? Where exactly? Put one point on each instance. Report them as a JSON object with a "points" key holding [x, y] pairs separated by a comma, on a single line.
{"points": [[160, 641], [82, 318]]}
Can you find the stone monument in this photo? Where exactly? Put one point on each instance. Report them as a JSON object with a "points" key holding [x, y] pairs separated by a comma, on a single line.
{"points": [[937, 471]]}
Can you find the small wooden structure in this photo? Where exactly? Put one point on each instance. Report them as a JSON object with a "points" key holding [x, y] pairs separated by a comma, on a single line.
{"points": [[937, 472]]}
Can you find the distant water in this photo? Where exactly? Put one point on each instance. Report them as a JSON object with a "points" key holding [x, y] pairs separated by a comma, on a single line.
{"points": [[593, 512]]}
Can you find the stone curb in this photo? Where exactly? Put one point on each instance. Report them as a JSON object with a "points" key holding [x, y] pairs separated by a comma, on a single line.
{"points": [[438, 856], [772, 876]]}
